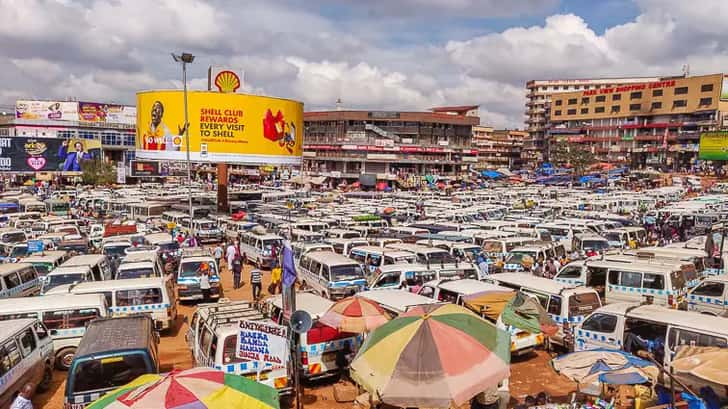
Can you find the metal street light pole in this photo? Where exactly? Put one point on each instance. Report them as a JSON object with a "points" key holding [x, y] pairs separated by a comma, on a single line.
{"points": [[187, 58]]}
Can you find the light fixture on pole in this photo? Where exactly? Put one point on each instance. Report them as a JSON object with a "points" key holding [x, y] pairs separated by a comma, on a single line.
{"points": [[186, 58]]}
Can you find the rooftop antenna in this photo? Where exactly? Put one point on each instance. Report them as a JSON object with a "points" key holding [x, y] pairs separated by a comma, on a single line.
{"points": [[338, 104], [686, 70]]}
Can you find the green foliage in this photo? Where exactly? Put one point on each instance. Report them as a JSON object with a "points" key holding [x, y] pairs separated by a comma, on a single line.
{"points": [[97, 172], [563, 153]]}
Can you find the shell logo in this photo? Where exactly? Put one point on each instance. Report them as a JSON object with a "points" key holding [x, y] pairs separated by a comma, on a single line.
{"points": [[227, 81]]}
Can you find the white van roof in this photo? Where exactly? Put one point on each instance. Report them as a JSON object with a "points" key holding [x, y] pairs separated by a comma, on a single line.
{"points": [[396, 299], [689, 319], [51, 302], [531, 281], [313, 304], [110, 285], [11, 327], [403, 267], [467, 286], [84, 260], [12, 267]]}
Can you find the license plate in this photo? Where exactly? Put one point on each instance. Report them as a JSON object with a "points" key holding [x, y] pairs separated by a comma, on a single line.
{"points": [[254, 377]]}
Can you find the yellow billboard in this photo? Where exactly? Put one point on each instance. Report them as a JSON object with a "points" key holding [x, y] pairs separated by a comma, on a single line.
{"points": [[229, 128]]}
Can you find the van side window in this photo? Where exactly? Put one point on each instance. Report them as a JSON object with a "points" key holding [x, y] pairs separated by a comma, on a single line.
{"points": [[69, 318], [614, 277], [570, 272], [630, 279], [600, 323], [138, 297], [679, 337], [555, 305], [11, 280], [40, 331], [9, 356], [228, 351], [709, 289], [27, 342], [654, 281], [27, 274]]}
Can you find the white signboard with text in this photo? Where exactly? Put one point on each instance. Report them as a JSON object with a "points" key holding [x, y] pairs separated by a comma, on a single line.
{"points": [[263, 342]]}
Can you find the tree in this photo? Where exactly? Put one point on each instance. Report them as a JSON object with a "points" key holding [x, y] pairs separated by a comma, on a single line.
{"points": [[574, 155], [97, 172]]}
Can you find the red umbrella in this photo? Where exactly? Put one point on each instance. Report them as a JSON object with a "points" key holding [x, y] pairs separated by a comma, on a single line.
{"points": [[355, 314]]}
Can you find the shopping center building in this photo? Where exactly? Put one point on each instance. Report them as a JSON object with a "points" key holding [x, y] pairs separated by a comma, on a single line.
{"points": [[538, 99], [649, 123], [393, 145], [498, 148]]}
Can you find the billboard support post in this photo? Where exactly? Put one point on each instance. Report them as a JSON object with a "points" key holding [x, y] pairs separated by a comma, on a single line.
{"points": [[185, 59]]}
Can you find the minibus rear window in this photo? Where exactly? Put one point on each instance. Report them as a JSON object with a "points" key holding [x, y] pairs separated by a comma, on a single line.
{"points": [[108, 372], [583, 304]]}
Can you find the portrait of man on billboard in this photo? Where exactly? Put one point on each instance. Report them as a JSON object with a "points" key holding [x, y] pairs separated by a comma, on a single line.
{"points": [[158, 137], [72, 160]]}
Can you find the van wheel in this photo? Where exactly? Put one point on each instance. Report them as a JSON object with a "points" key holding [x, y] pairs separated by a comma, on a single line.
{"points": [[64, 358], [45, 383]]}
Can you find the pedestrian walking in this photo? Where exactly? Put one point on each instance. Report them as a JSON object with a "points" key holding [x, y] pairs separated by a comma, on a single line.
{"points": [[237, 267], [256, 281], [230, 255], [275, 280], [205, 282], [217, 254]]}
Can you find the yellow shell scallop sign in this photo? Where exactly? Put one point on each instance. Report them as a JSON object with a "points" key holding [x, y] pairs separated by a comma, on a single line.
{"points": [[227, 81], [236, 128]]}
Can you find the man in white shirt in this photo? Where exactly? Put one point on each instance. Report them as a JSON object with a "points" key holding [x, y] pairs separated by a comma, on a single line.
{"points": [[22, 401], [230, 255]]}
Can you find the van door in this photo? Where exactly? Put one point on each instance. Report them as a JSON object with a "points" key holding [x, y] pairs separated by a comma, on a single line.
{"points": [[599, 330], [708, 298]]}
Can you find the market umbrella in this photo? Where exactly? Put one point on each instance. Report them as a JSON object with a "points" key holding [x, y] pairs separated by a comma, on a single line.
{"points": [[355, 315], [433, 356], [197, 388], [590, 368]]}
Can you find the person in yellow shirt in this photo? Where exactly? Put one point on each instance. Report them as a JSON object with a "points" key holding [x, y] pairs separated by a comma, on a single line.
{"points": [[275, 280]]}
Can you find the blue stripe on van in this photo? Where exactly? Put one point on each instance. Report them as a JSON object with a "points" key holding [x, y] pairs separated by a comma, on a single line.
{"points": [[649, 291], [337, 284], [143, 308], [700, 299], [323, 347], [19, 289]]}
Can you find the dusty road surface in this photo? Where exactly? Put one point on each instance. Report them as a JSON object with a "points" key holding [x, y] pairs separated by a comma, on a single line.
{"points": [[530, 374]]}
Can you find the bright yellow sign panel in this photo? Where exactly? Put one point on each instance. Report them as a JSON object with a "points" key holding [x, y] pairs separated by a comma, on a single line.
{"points": [[228, 128]]}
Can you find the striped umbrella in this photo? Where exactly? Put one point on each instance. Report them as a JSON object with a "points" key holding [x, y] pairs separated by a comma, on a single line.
{"points": [[355, 315], [433, 356], [197, 388]]}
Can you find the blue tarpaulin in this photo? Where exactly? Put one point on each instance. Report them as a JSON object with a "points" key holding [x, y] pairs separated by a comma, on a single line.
{"points": [[631, 378], [491, 174]]}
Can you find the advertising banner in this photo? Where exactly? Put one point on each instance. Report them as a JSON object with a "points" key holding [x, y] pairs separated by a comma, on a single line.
{"points": [[53, 110], [19, 154], [713, 146], [230, 128], [106, 113], [149, 168], [258, 341]]}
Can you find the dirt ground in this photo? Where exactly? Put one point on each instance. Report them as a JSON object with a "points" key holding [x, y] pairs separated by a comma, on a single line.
{"points": [[530, 374]]}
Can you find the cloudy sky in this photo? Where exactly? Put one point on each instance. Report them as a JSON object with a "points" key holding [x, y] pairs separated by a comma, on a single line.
{"points": [[375, 54]]}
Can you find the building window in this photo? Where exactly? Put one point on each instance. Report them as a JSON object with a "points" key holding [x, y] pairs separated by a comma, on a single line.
{"points": [[572, 101], [584, 111], [558, 102], [635, 95], [635, 107], [601, 98], [571, 112], [599, 110], [557, 113], [656, 105], [681, 91], [615, 108], [706, 87], [616, 97], [656, 92], [585, 100], [706, 101], [680, 103]]}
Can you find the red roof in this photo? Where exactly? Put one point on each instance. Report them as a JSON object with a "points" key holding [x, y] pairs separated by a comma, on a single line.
{"points": [[462, 109]]}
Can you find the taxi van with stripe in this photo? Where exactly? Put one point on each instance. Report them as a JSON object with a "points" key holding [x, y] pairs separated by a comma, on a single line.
{"points": [[710, 296], [652, 328], [64, 315], [321, 345], [153, 296], [457, 291], [26, 356], [18, 280], [566, 305], [212, 339], [112, 353], [396, 301]]}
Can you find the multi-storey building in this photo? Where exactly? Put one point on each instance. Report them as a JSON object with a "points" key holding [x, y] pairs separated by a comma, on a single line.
{"points": [[539, 95], [655, 122], [498, 148], [393, 145]]}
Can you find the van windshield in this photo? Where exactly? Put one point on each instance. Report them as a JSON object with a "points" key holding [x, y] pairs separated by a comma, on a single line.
{"points": [[597, 245], [43, 268], [19, 251], [55, 280], [613, 236], [139, 272], [206, 226], [109, 372], [14, 237], [440, 257], [583, 304], [168, 247], [192, 268], [346, 272], [116, 250]]}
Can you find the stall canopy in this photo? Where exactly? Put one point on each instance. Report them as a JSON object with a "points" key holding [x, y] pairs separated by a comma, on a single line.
{"points": [[491, 174]]}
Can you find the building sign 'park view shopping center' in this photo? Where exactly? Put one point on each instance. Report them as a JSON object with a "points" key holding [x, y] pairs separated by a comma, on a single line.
{"points": [[359, 207]]}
